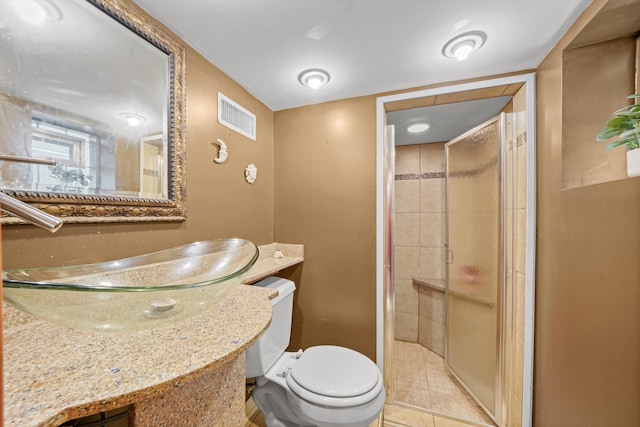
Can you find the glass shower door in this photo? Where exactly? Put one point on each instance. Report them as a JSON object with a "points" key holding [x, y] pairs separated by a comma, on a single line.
{"points": [[475, 260]]}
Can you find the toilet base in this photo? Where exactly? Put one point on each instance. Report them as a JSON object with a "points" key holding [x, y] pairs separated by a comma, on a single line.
{"points": [[280, 410], [265, 397]]}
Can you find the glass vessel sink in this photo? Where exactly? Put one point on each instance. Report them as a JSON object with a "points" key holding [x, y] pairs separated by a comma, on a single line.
{"points": [[141, 292]]}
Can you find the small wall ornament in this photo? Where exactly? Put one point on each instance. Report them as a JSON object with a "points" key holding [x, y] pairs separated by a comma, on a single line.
{"points": [[251, 173], [222, 153]]}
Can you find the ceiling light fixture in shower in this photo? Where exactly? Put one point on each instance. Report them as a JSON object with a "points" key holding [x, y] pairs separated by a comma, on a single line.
{"points": [[314, 78], [460, 47], [418, 127]]}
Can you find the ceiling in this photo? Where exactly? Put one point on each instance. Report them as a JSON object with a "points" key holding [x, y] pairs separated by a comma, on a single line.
{"points": [[368, 46], [446, 121]]}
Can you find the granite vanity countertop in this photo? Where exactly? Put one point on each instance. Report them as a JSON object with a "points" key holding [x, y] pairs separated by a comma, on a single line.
{"points": [[53, 374], [268, 264]]}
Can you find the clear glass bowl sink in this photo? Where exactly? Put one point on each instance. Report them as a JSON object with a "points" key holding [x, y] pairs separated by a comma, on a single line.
{"points": [[141, 292]]}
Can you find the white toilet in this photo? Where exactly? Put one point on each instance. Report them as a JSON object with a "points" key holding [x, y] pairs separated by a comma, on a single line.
{"points": [[321, 386]]}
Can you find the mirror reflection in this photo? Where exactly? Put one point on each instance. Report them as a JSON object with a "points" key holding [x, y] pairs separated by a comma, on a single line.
{"points": [[83, 91]]}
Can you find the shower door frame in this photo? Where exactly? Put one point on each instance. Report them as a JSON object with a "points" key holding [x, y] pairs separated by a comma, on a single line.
{"points": [[383, 287]]}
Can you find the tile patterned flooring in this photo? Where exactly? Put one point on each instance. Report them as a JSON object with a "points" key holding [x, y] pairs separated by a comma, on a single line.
{"points": [[394, 416], [422, 381]]}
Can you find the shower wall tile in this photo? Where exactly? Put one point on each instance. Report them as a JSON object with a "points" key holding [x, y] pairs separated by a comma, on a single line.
{"points": [[509, 331], [431, 304], [509, 159], [431, 319], [521, 176], [518, 365], [516, 411], [520, 110], [432, 195], [520, 302], [407, 159], [432, 157], [509, 241], [406, 296], [508, 357], [432, 263], [517, 372], [431, 335], [406, 263], [407, 196], [517, 265], [521, 240], [406, 232], [406, 328], [432, 229], [519, 107], [419, 241]]}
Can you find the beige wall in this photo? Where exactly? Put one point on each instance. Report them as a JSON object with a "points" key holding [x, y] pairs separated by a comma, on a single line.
{"points": [[219, 202], [325, 187], [607, 69], [587, 366]]}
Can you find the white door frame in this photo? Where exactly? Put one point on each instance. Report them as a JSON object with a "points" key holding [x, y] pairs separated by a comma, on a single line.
{"points": [[529, 81]]}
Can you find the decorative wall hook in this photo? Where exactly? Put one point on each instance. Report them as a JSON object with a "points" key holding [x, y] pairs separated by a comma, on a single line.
{"points": [[251, 173], [222, 153]]}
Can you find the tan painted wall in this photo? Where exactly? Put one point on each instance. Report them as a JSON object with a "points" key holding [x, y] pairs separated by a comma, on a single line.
{"points": [[587, 363], [325, 186], [608, 70], [219, 202]]}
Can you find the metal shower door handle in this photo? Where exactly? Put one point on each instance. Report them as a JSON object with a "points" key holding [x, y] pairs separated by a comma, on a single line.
{"points": [[449, 256]]}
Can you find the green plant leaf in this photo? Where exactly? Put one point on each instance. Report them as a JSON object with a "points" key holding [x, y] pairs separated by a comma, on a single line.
{"points": [[630, 132], [623, 124], [616, 143], [618, 122], [607, 134]]}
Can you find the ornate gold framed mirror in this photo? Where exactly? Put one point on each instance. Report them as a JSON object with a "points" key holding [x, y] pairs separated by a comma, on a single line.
{"points": [[94, 92]]}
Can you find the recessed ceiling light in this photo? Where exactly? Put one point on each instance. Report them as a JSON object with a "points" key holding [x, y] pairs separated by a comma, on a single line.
{"points": [[37, 11], [314, 78], [133, 119], [418, 127], [460, 47]]}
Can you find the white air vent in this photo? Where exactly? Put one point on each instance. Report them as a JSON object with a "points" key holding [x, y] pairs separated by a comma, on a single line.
{"points": [[236, 117]]}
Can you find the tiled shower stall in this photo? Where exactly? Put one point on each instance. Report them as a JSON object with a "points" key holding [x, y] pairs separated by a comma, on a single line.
{"points": [[419, 260]]}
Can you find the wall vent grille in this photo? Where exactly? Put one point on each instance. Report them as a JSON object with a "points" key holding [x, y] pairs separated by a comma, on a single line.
{"points": [[236, 117]]}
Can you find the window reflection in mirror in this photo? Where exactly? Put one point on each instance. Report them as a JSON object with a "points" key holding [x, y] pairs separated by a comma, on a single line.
{"points": [[79, 155]]}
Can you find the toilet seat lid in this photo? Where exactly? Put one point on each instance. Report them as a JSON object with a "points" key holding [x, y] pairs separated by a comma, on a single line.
{"points": [[335, 372]]}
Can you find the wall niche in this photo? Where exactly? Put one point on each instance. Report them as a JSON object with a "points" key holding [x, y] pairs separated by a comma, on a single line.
{"points": [[599, 71]]}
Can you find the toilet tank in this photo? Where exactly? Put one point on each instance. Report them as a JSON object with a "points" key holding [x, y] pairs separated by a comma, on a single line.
{"points": [[275, 340]]}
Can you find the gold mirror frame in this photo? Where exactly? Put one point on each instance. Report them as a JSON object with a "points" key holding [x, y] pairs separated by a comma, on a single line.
{"points": [[76, 208]]}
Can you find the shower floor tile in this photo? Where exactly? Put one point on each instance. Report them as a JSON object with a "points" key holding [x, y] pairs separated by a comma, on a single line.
{"points": [[422, 380]]}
